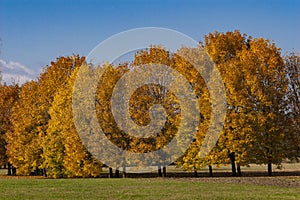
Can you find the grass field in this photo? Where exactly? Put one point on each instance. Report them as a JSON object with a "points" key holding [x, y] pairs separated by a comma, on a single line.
{"points": [[141, 188], [254, 185]]}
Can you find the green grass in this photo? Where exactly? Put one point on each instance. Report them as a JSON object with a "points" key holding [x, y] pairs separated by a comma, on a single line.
{"points": [[155, 188]]}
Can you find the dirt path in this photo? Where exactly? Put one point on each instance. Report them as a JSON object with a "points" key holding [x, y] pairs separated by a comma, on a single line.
{"points": [[280, 181]]}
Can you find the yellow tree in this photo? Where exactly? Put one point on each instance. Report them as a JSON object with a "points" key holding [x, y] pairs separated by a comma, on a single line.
{"points": [[223, 50], [152, 60], [253, 74], [22, 141], [186, 60], [8, 96], [142, 101], [267, 85], [51, 80], [63, 151], [31, 115]]}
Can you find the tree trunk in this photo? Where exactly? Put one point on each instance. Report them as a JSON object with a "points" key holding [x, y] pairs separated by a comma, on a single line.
{"points": [[117, 173], [232, 159], [13, 171], [159, 172], [37, 171], [195, 173], [124, 172], [110, 175], [9, 169], [164, 171], [210, 171], [239, 171], [270, 169], [45, 172]]}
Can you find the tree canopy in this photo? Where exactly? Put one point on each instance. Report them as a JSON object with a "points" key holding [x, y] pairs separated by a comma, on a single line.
{"points": [[262, 88]]}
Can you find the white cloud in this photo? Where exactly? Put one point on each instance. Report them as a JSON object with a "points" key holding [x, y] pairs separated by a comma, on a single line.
{"points": [[15, 72]]}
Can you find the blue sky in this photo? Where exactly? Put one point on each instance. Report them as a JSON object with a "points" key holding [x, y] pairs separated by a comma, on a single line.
{"points": [[35, 32]]}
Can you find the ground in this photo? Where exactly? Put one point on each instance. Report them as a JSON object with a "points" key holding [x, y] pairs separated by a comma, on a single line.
{"points": [[178, 185], [151, 188]]}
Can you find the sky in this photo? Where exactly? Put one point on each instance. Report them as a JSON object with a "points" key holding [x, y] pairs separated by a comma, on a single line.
{"points": [[35, 32]]}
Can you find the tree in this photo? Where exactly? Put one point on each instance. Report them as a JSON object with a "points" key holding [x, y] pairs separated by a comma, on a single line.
{"points": [[267, 82], [181, 62], [63, 151], [23, 142], [143, 100], [223, 50], [292, 106], [189, 57], [31, 115], [8, 96], [253, 74]]}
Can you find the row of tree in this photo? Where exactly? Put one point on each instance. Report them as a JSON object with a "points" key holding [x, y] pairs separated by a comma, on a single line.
{"points": [[262, 121]]}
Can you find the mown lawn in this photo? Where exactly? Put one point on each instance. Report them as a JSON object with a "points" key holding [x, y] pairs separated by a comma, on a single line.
{"points": [[139, 188]]}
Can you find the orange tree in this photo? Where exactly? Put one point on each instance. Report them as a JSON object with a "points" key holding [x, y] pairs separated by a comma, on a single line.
{"points": [[22, 141], [31, 115], [253, 73], [63, 151], [8, 96]]}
